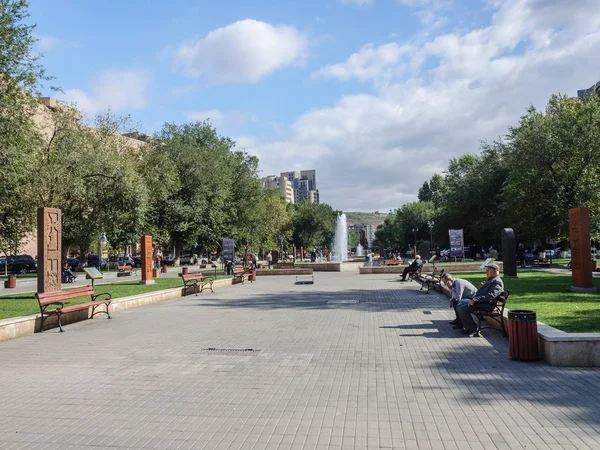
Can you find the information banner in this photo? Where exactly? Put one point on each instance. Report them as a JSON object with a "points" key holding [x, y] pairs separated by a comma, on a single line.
{"points": [[228, 250], [456, 244]]}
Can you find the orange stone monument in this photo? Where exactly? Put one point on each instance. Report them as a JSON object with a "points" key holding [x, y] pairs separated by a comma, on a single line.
{"points": [[147, 260], [49, 244], [581, 251]]}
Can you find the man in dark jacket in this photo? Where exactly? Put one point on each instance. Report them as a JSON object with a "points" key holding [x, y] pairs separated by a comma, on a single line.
{"points": [[485, 298], [413, 267]]}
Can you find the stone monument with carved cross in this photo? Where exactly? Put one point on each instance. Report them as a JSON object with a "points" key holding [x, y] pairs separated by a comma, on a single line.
{"points": [[147, 263], [49, 225], [581, 251]]}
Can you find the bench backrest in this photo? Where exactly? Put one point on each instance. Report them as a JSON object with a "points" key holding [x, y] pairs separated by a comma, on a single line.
{"points": [[56, 296], [238, 270], [192, 276], [504, 297]]}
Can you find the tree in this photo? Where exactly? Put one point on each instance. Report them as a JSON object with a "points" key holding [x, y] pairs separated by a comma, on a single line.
{"points": [[425, 193], [20, 77], [554, 159], [314, 225]]}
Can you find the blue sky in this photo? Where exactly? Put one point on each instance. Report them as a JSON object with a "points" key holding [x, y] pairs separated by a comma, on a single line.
{"points": [[377, 95]]}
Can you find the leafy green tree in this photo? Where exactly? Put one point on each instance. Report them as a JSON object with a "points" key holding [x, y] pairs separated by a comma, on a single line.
{"points": [[425, 193], [314, 225], [21, 75], [554, 161]]}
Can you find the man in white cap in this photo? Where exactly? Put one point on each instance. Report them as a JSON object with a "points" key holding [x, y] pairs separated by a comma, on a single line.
{"points": [[485, 299]]}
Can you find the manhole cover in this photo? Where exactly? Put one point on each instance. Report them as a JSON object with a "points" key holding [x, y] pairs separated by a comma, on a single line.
{"points": [[334, 302]]}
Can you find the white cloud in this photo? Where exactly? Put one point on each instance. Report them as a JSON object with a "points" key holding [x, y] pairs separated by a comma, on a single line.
{"points": [[244, 51], [115, 89], [373, 151], [370, 62]]}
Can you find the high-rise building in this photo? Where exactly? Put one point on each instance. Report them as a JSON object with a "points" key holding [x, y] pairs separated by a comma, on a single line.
{"points": [[282, 184], [305, 185]]}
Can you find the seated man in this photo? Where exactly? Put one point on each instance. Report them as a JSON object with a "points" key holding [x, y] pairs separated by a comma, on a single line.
{"points": [[413, 267], [485, 299], [462, 291]]}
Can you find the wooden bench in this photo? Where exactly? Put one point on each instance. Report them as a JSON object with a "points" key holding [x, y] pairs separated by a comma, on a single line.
{"points": [[58, 298], [239, 272], [285, 265], [393, 262], [497, 315], [415, 274], [198, 281], [431, 280], [126, 271]]}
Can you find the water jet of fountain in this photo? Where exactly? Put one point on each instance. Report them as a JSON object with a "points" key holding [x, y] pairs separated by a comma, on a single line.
{"points": [[340, 241]]}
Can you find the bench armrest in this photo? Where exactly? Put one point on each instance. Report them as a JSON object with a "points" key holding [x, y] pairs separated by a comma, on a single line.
{"points": [[62, 305], [95, 297]]}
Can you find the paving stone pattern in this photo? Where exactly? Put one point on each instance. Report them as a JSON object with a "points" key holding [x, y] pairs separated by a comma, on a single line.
{"points": [[387, 372]]}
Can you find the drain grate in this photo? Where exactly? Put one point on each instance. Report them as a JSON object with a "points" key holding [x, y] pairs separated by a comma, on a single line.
{"points": [[230, 351]]}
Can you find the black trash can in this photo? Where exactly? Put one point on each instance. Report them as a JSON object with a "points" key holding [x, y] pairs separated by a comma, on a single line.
{"points": [[523, 335]]}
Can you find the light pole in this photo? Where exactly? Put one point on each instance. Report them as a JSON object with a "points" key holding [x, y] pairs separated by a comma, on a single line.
{"points": [[431, 223], [414, 230]]}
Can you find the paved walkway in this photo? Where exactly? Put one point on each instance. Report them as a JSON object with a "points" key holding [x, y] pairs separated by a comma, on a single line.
{"points": [[387, 372]]}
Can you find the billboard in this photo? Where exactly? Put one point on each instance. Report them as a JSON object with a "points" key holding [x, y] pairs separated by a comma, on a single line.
{"points": [[228, 250], [457, 243]]}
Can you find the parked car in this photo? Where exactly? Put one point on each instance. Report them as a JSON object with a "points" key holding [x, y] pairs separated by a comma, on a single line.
{"points": [[121, 260], [186, 258], [18, 264], [73, 264], [92, 261], [137, 260]]}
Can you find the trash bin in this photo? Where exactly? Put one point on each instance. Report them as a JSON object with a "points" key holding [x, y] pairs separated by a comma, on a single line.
{"points": [[11, 283], [184, 271], [163, 269], [252, 275], [522, 335]]}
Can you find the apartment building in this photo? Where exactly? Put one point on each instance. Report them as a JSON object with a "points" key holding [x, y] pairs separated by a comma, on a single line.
{"points": [[304, 183], [282, 184]]}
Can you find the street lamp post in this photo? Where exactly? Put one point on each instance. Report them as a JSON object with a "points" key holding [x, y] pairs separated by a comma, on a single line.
{"points": [[414, 230], [431, 223]]}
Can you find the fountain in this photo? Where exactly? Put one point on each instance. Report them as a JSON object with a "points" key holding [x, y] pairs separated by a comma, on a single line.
{"points": [[360, 251], [340, 241]]}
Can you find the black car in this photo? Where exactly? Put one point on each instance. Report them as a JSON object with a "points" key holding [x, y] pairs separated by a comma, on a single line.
{"points": [[92, 261], [137, 260], [18, 264]]}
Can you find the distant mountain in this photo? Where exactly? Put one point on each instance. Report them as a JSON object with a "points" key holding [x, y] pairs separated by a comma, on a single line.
{"points": [[367, 218]]}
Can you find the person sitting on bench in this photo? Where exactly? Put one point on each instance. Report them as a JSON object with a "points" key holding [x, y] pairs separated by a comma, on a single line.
{"points": [[485, 299], [67, 275], [413, 267], [462, 291]]}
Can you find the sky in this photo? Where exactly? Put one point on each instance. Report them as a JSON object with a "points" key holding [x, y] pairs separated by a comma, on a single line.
{"points": [[376, 95]]}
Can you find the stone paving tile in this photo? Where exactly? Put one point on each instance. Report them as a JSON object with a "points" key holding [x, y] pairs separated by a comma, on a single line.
{"points": [[387, 372]]}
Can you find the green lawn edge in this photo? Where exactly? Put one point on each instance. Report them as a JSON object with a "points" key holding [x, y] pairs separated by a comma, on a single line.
{"points": [[16, 305], [550, 296]]}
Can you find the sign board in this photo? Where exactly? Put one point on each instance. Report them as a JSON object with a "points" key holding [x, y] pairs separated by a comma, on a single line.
{"points": [[228, 250], [456, 243], [485, 263], [91, 273]]}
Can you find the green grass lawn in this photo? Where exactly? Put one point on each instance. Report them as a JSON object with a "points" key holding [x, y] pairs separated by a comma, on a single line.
{"points": [[550, 296], [19, 276], [23, 304]]}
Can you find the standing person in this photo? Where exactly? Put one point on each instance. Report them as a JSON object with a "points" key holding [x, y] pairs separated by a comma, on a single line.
{"points": [[156, 256], [462, 291], [485, 298], [269, 259]]}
